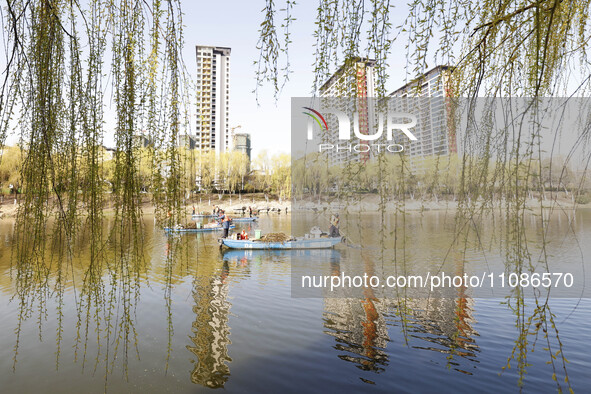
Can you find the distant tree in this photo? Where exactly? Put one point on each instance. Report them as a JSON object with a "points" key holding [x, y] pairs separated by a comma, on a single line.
{"points": [[10, 165]]}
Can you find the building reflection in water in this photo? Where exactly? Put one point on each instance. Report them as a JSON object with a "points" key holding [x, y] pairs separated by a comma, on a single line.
{"points": [[360, 325], [210, 330], [446, 325], [211, 333]]}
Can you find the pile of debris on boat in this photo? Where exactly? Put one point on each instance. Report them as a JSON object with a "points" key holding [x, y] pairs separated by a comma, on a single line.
{"points": [[186, 226], [276, 237]]}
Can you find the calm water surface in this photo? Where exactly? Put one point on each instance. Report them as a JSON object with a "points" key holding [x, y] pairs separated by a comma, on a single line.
{"points": [[191, 318]]}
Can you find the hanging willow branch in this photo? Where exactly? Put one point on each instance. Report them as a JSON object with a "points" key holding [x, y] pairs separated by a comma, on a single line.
{"points": [[510, 48], [525, 48], [61, 58], [272, 49]]}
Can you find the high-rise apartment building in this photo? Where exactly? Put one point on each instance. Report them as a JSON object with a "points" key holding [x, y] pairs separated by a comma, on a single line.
{"points": [[355, 78], [429, 98], [352, 84], [213, 99], [241, 143]]}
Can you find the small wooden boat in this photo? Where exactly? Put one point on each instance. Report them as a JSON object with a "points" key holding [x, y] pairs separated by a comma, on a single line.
{"points": [[250, 219], [194, 230], [298, 243]]}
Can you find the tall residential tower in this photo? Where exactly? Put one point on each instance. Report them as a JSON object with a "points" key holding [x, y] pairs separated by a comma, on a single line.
{"points": [[351, 84], [213, 99], [429, 96]]}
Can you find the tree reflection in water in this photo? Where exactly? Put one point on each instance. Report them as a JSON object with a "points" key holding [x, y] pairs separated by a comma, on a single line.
{"points": [[365, 330], [99, 284], [99, 288]]}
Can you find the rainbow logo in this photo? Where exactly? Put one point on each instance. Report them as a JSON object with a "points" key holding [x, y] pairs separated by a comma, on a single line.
{"points": [[315, 115]]}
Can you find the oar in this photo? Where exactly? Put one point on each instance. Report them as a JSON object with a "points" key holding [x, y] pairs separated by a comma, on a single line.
{"points": [[345, 240]]}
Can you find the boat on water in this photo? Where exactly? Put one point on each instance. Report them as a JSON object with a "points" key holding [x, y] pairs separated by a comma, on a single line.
{"points": [[239, 220], [193, 230], [250, 219], [298, 243], [330, 254], [203, 215]]}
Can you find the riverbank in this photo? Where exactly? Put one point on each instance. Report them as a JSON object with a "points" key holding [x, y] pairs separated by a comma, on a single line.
{"points": [[373, 203], [234, 204], [202, 204]]}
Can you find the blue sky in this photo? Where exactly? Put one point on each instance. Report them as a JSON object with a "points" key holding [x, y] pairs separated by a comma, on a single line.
{"points": [[235, 24]]}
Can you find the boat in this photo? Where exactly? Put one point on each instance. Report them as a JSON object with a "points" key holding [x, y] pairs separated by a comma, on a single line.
{"points": [[249, 219], [193, 230], [204, 215], [330, 254], [298, 243]]}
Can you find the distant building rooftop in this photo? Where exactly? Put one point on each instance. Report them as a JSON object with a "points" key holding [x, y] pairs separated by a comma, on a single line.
{"points": [[422, 77], [341, 70]]}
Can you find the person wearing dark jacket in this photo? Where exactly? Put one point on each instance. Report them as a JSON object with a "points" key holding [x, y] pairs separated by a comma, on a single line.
{"points": [[334, 226], [225, 224]]}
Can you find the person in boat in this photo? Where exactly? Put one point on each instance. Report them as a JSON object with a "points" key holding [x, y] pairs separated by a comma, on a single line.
{"points": [[225, 224], [334, 226], [244, 235]]}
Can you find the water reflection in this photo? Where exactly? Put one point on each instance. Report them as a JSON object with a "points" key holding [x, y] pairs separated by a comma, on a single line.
{"points": [[361, 325], [358, 325], [447, 326], [361, 328], [181, 290], [211, 332]]}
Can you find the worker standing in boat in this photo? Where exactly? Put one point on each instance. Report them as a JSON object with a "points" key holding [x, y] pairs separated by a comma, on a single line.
{"points": [[225, 224], [334, 226]]}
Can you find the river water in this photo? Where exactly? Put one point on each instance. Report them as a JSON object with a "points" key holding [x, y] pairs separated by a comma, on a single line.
{"points": [[187, 317]]}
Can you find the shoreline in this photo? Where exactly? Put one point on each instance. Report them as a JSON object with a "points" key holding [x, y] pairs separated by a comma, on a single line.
{"points": [[430, 205], [370, 205], [204, 204]]}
